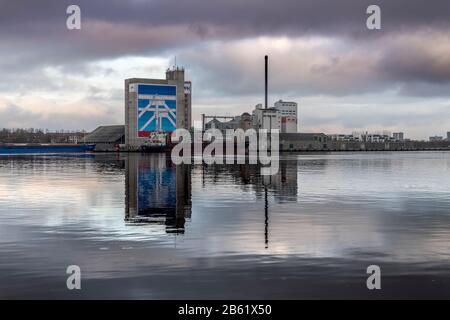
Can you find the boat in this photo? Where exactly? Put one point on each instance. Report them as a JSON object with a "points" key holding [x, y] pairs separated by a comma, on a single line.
{"points": [[157, 142], [39, 148]]}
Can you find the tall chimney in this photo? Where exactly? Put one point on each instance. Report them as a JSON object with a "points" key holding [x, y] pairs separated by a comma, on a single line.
{"points": [[266, 59]]}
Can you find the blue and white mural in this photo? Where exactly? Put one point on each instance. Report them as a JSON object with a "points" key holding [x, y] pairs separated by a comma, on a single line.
{"points": [[157, 108]]}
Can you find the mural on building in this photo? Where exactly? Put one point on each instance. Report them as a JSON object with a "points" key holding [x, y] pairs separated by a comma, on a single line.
{"points": [[157, 108]]}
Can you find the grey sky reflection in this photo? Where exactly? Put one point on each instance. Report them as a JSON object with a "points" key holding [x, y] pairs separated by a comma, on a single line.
{"points": [[318, 205]]}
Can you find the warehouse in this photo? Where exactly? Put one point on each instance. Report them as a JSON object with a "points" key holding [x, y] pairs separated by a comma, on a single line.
{"points": [[303, 141], [106, 138]]}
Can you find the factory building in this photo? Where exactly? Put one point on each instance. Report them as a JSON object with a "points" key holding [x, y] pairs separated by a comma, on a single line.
{"points": [[283, 116], [243, 121], [266, 118], [156, 106], [288, 115]]}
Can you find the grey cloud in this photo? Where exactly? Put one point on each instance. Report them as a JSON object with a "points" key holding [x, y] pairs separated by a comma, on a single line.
{"points": [[34, 35], [425, 89], [17, 116], [418, 119], [242, 16], [113, 28], [415, 63]]}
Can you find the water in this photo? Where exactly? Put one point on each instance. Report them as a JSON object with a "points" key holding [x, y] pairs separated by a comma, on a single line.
{"points": [[141, 228]]}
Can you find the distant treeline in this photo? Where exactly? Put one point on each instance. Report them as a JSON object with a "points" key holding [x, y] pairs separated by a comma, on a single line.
{"points": [[33, 135]]}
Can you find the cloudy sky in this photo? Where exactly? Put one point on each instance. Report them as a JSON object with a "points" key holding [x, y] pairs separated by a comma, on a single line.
{"points": [[344, 76]]}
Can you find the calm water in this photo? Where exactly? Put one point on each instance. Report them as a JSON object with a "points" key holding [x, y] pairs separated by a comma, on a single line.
{"points": [[140, 227]]}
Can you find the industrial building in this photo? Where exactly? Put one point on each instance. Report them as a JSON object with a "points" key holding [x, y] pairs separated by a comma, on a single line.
{"points": [[266, 118], [156, 105], [283, 116], [288, 115], [243, 121], [303, 141], [343, 137], [106, 138]]}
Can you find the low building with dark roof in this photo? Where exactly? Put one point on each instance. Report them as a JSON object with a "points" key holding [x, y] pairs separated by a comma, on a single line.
{"points": [[303, 141], [106, 138]]}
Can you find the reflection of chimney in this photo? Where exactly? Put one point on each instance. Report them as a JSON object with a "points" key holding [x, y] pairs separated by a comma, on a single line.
{"points": [[266, 60]]}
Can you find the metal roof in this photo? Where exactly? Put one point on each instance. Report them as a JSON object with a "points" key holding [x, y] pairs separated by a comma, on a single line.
{"points": [[106, 134]]}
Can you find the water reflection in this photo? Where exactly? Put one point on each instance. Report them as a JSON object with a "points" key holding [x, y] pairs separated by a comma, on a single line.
{"points": [[282, 186], [140, 224], [157, 192]]}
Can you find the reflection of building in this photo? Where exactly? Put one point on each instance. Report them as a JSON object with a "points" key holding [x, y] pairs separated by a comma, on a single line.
{"points": [[157, 191], [156, 105], [279, 188], [283, 185], [285, 182]]}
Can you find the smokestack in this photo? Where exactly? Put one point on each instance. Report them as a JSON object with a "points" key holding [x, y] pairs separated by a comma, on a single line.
{"points": [[266, 60]]}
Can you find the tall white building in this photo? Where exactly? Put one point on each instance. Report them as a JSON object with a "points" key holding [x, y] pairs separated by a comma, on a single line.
{"points": [[288, 116]]}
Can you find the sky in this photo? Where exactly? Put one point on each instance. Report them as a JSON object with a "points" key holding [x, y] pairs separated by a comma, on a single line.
{"points": [[343, 76]]}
